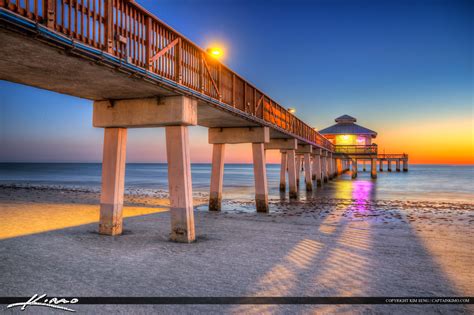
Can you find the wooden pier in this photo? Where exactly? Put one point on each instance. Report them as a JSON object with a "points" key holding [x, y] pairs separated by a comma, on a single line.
{"points": [[141, 73]]}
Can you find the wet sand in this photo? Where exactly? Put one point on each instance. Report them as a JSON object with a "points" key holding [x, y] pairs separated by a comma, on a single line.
{"points": [[320, 247]]}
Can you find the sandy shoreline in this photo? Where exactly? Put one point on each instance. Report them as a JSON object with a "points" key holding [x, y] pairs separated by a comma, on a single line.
{"points": [[320, 247]]}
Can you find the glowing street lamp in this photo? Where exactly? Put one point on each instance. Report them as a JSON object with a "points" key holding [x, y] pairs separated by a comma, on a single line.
{"points": [[215, 52], [291, 110]]}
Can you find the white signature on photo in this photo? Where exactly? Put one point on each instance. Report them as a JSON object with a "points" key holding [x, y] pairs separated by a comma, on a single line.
{"points": [[42, 300]]}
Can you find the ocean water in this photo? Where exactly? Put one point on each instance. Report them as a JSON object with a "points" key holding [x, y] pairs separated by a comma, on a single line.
{"points": [[437, 183]]}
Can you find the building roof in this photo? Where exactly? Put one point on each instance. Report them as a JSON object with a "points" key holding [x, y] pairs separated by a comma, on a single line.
{"points": [[345, 119], [346, 125]]}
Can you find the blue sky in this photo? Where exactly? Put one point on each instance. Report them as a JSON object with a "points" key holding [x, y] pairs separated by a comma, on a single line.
{"points": [[386, 63]]}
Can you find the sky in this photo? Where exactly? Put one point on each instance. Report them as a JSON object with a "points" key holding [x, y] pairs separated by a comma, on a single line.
{"points": [[402, 68]]}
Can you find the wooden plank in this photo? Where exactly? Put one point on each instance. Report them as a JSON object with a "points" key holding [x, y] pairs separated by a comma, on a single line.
{"points": [[164, 50], [108, 27]]}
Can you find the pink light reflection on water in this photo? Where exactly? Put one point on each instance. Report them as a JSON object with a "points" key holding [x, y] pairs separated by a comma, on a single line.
{"points": [[361, 191]]}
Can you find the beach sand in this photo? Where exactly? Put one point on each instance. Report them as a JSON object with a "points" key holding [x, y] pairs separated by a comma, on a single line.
{"points": [[320, 247]]}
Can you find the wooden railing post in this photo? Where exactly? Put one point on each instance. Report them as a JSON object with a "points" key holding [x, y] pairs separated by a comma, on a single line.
{"points": [[219, 83], [109, 22], [201, 73], [49, 13], [148, 41], [179, 68], [233, 89]]}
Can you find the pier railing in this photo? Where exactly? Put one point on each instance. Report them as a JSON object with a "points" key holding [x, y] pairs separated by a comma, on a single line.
{"points": [[356, 149], [126, 30], [393, 156]]}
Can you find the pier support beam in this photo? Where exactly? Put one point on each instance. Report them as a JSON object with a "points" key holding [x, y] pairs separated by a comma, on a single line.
{"points": [[217, 177], [373, 168], [260, 176], [330, 166], [363, 166], [354, 168], [397, 167], [113, 178], [317, 167], [303, 150], [380, 165], [307, 172], [283, 145], [333, 167], [405, 165], [180, 184], [298, 170], [291, 157], [324, 168], [389, 165], [283, 167], [258, 136], [339, 167], [175, 113]]}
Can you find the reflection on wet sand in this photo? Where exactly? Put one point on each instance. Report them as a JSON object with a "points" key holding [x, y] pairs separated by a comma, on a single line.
{"points": [[354, 232]]}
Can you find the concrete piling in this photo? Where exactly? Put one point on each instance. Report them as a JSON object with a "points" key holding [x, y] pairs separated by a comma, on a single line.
{"points": [[307, 172], [317, 168], [260, 176], [291, 157], [405, 165], [298, 170], [180, 184], [373, 168], [354, 168], [283, 167], [217, 177], [324, 169], [113, 179]]}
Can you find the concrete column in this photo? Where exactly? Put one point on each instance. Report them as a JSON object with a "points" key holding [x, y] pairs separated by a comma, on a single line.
{"points": [[324, 168], [313, 167], [389, 165], [398, 165], [339, 167], [354, 168], [283, 167], [291, 157], [363, 166], [329, 166], [405, 165], [113, 177], [180, 184], [317, 169], [330, 173], [217, 177], [307, 172], [373, 168], [298, 170], [260, 176], [380, 165]]}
